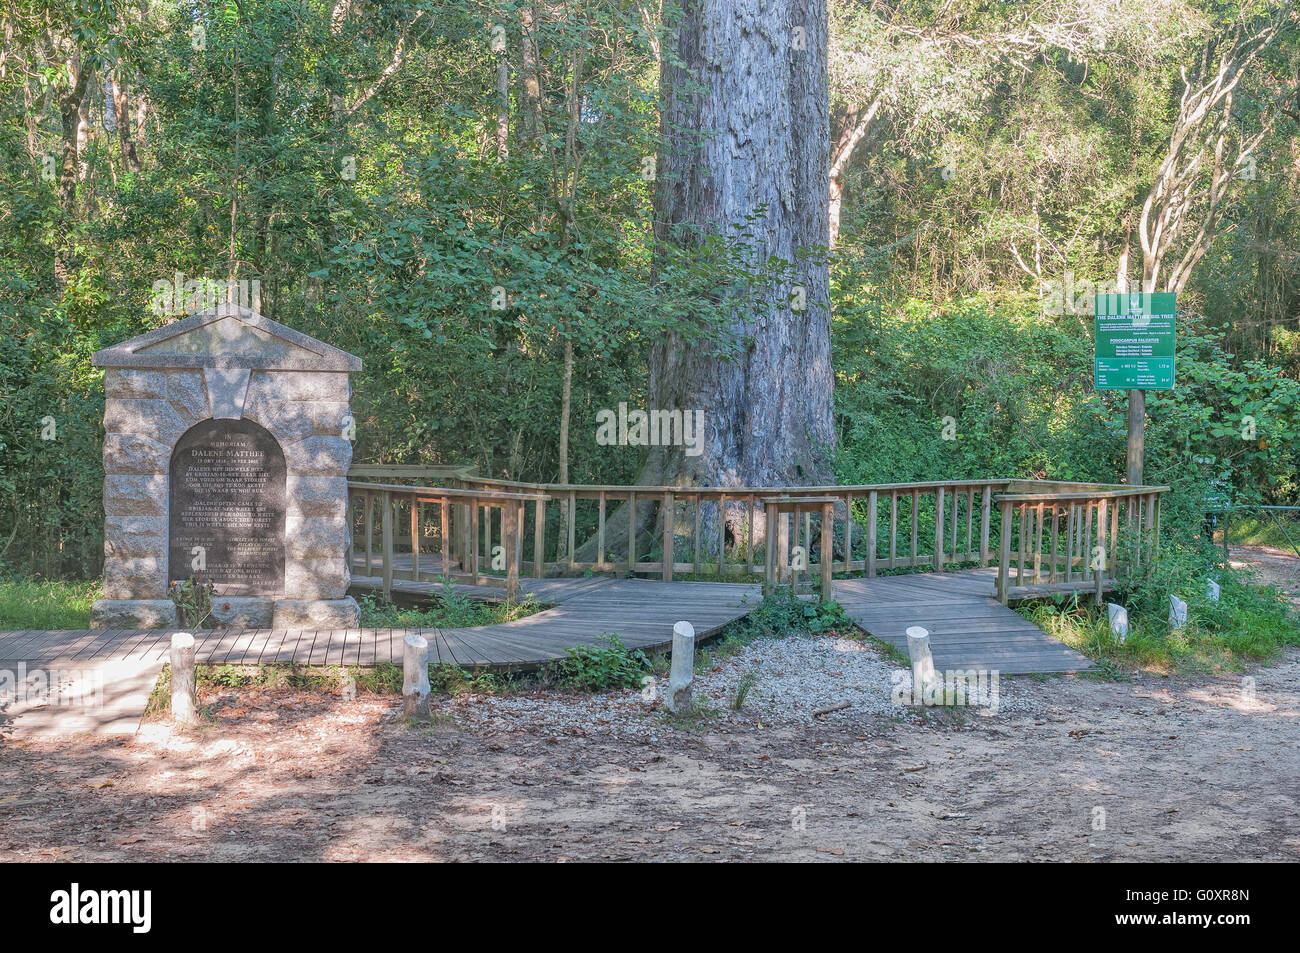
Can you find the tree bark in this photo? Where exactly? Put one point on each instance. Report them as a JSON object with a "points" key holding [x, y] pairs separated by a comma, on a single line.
{"points": [[69, 166], [747, 133]]}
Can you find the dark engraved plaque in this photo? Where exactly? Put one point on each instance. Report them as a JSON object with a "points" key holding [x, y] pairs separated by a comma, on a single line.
{"points": [[228, 497]]}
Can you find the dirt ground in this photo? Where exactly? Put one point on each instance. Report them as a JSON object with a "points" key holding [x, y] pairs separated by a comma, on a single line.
{"points": [[1155, 769], [1277, 567], [1067, 768]]}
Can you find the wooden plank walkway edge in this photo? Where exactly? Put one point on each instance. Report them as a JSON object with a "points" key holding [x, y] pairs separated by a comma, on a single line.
{"points": [[969, 628]]}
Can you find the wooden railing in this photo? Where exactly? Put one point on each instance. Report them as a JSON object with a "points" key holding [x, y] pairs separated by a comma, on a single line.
{"points": [[450, 533], [711, 531], [1074, 538]]}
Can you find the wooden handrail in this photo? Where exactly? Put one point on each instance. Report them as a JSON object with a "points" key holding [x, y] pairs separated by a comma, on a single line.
{"points": [[1051, 536]]}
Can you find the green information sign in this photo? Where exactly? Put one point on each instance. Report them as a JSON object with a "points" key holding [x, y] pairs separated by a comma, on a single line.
{"points": [[1134, 342]]}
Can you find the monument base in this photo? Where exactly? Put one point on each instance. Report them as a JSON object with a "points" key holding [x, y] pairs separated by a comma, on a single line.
{"points": [[242, 612], [316, 614], [133, 614]]}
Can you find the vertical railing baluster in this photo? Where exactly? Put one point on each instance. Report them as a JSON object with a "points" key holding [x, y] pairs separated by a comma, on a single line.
{"points": [[970, 523], [415, 539], [386, 542], [668, 538], [1004, 554], [986, 518], [893, 528], [871, 534], [722, 536], [938, 529], [442, 532], [916, 510], [600, 535]]}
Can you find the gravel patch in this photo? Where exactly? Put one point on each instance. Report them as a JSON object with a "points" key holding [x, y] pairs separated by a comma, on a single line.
{"points": [[791, 678]]}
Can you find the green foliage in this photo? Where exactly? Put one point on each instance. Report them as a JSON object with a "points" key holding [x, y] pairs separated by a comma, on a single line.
{"points": [[451, 609], [193, 603], [743, 688], [46, 604], [783, 613], [938, 285], [1249, 623], [604, 667]]}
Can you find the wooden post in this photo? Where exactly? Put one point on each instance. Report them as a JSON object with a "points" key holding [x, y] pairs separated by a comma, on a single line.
{"points": [[1004, 555], [509, 536], [473, 553], [572, 518], [682, 674], [986, 517], [600, 534], [938, 530], [769, 562], [783, 547], [916, 506], [848, 532], [352, 526], [722, 536], [923, 675], [668, 538], [442, 532], [871, 535], [1137, 416], [415, 676], [415, 539], [893, 527], [695, 538], [970, 522], [466, 528], [750, 505], [1101, 545], [386, 541], [828, 548], [370, 528], [1056, 546], [185, 709], [539, 539], [631, 533]]}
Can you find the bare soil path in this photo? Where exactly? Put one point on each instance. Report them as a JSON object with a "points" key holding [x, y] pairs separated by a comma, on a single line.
{"points": [[1070, 768]]}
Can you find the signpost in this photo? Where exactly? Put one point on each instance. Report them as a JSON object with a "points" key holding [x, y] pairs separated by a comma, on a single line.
{"points": [[1134, 351]]}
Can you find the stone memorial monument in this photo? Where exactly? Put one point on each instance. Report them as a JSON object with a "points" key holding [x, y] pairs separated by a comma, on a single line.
{"points": [[226, 452]]}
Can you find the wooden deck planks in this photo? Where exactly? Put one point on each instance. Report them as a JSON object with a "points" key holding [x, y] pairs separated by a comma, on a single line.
{"points": [[969, 628]]}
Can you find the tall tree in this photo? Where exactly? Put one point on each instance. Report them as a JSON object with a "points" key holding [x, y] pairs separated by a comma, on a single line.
{"points": [[743, 94]]}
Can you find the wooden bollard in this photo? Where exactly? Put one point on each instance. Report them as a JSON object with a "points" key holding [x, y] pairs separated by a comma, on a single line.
{"points": [[185, 709], [682, 674], [415, 676], [923, 676]]}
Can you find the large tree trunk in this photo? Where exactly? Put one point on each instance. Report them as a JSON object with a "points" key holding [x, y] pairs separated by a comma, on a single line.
{"points": [[747, 134], [746, 130]]}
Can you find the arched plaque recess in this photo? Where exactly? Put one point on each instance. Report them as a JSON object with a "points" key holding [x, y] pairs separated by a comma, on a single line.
{"points": [[227, 507]]}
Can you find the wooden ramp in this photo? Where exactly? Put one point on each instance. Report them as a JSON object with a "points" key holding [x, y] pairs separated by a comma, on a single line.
{"points": [[640, 611], [969, 628]]}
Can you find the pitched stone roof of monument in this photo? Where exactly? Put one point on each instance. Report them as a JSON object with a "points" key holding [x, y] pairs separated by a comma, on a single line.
{"points": [[228, 335]]}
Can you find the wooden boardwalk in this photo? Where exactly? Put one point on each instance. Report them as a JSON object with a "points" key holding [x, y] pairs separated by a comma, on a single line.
{"points": [[641, 612], [969, 628]]}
